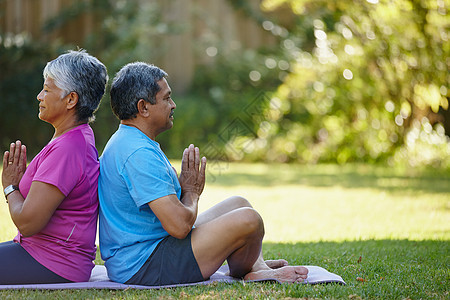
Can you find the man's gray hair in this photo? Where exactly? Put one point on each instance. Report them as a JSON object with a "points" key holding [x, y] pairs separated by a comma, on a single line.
{"points": [[133, 82], [77, 71]]}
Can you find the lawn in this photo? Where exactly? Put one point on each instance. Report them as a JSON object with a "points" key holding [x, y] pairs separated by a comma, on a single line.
{"points": [[386, 231]]}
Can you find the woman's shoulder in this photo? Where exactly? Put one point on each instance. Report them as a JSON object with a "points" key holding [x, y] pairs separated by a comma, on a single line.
{"points": [[74, 141], [79, 135]]}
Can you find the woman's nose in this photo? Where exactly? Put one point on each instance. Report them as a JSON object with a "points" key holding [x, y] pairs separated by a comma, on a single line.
{"points": [[39, 96]]}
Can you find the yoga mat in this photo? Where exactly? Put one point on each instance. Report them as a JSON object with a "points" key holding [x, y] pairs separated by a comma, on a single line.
{"points": [[99, 280]]}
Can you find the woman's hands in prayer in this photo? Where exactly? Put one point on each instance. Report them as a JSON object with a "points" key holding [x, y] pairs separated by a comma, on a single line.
{"points": [[14, 164]]}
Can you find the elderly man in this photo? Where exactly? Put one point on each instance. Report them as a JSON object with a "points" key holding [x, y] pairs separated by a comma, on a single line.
{"points": [[150, 232]]}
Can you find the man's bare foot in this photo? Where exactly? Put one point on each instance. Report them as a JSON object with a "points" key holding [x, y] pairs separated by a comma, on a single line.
{"points": [[277, 263], [289, 274]]}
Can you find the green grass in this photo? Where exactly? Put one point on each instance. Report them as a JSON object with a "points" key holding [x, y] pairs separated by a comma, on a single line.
{"points": [[396, 220]]}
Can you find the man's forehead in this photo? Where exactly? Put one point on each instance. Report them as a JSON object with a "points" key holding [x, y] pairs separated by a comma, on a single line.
{"points": [[164, 87]]}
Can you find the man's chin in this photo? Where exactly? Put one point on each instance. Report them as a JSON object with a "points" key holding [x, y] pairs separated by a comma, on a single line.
{"points": [[169, 125]]}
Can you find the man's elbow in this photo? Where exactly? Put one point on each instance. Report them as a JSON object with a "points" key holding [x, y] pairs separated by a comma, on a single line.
{"points": [[181, 232], [180, 227]]}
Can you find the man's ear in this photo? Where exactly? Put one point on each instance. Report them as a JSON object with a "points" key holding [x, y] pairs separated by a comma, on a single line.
{"points": [[72, 100], [143, 108]]}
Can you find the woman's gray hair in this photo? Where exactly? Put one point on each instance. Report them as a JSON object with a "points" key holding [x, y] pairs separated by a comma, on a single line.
{"points": [[77, 71], [133, 82]]}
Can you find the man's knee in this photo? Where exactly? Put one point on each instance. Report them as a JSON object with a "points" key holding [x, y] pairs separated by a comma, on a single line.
{"points": [[239, 201], [251, 221]]}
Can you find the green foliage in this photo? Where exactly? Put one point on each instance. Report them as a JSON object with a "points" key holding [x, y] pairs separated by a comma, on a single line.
{"points": [[349, 80], [22, 62], [373, 87], [220, 92]]}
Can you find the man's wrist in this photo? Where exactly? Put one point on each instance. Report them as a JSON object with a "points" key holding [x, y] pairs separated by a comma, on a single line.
{"points": [[190, 194]]}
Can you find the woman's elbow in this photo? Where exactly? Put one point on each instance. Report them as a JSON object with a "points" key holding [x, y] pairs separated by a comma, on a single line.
{"points": [[27, 231], [28, 228], [26, 234]]}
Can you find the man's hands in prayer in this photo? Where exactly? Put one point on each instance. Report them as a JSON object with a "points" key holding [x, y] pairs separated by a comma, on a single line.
{"points": [[192, 176]]}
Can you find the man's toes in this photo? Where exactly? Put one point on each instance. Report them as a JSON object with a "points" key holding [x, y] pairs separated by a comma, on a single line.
{"points": [[275, 264], [301, 270], [300, 280]]}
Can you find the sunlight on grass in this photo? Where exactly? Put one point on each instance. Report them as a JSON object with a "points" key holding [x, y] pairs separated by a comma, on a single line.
{"points": [[301, 213], [327, 203]]}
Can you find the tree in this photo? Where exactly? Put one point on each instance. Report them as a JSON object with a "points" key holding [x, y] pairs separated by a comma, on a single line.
{"points": [[372, 86]]}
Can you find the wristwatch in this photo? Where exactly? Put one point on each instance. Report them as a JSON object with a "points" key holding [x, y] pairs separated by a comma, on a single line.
{"points": [[9, 189]]}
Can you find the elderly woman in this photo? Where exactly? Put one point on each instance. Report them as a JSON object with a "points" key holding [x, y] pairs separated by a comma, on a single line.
{"points": [[53, 202]]}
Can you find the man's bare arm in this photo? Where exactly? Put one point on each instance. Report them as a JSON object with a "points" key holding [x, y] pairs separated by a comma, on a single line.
{"points": [[177, 217]]}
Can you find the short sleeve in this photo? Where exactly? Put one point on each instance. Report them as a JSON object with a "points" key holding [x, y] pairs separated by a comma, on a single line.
{"points": [[147, 176], [62, 165]]}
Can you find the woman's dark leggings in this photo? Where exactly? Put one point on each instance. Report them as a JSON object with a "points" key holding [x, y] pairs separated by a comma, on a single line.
{"points": [[19, 267]]}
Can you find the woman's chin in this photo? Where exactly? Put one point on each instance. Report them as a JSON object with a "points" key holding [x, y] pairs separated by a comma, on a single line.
{"points": [[42, 118]]}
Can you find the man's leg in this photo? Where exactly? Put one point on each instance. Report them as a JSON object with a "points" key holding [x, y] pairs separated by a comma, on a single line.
{"points": [[235, 236], [227, 206], [222, 208], [232, 230]]}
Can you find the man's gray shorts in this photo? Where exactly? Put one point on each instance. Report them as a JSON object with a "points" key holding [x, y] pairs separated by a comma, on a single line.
{"points": [[171, 262]]}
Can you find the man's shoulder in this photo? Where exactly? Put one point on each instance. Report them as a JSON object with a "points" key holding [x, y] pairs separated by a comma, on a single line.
{"points": [[130, 145], [131, 140]]}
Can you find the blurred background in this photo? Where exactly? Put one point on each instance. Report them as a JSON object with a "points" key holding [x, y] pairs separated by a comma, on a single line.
{"points": [[306, 81]]}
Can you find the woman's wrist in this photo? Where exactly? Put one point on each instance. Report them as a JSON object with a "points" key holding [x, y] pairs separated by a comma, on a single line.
{"points": [[9, 190]]}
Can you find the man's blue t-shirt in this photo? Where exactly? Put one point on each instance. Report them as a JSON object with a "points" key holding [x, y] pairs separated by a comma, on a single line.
{"points": [[133, 172]]}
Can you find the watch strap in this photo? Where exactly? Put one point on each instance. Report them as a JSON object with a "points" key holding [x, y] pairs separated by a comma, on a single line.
{"points": [[9, 189]]}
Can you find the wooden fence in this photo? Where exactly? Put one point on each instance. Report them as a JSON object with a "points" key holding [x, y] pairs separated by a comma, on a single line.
{"points": [[232, 27]]}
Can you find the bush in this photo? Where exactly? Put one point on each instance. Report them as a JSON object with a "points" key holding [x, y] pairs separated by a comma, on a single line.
{"points": [[373, 86]]}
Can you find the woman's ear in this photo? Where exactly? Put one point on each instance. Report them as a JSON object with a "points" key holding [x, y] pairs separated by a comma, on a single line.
{"points": [[72, 100], [142, 107]]}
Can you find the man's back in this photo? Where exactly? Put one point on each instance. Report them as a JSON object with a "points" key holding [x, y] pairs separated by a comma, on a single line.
{"points": [[133, 172]]}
